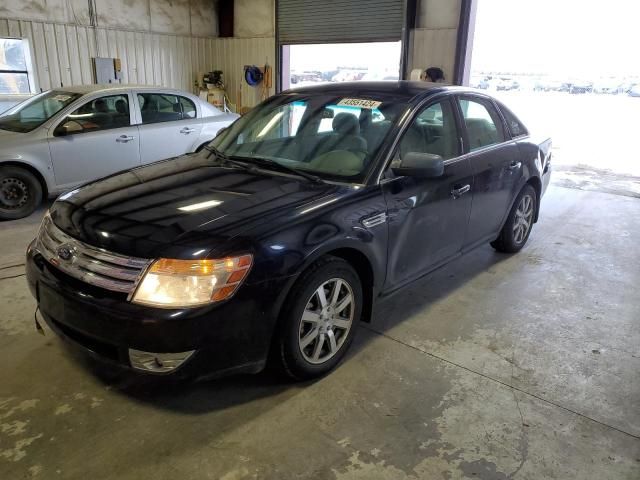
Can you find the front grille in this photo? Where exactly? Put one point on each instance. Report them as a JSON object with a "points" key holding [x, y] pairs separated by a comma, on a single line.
{"points": [[91, 265]]}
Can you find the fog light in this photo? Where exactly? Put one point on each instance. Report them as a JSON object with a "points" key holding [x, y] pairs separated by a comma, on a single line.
{"points": [[157, 362]]}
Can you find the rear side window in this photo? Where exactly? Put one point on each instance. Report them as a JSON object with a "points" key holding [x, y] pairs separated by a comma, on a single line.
{"points": [[188, 107], [516, 127], [484, 125], [163, 107]]}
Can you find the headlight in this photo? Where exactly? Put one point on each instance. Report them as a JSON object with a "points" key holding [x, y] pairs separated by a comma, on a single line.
{"points": [[186, 283]]}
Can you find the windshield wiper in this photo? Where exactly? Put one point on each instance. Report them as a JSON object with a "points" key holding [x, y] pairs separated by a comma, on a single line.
{"points": [[267, 162], [261, 162], [224, 159]]}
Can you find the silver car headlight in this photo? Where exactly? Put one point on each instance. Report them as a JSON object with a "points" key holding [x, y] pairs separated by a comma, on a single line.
{"points": [[171, 283]]}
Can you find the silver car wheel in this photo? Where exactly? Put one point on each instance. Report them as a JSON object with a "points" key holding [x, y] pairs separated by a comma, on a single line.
{"points": [[524, 219], [326, 321], [14, 193]]}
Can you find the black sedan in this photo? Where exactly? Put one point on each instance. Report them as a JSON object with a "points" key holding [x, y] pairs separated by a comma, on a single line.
{"points": [[280, 237]]}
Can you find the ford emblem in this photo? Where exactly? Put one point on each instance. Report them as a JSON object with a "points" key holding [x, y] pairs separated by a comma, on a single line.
{"points": [[65, 252]]}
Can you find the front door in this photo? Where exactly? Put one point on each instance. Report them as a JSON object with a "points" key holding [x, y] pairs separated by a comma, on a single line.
{"points": [[95, 140], [427, 216], [496, 165], [170, 125]]}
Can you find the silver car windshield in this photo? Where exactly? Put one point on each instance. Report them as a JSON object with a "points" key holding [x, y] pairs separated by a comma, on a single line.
{"points": [[327, 135], [32, 113]]}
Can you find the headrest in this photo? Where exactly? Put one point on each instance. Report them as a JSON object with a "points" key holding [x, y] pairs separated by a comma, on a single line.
{"points": [[346, 124], [100, 105], [121, 106]]}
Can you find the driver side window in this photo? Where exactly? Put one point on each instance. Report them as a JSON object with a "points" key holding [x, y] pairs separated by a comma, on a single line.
{"points": [[102, 113], [433, 131]]}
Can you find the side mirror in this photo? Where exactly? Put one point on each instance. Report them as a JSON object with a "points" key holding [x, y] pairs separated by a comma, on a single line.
{"points": [[68, 127], [421, 165]]}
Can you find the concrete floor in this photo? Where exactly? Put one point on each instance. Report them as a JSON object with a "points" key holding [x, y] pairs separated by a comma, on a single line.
{"points": [[496, 367]]}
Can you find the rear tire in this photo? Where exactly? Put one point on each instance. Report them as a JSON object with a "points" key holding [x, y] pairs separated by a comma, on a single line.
{"points": [[517, 228], [20, 193], [320, 319]]}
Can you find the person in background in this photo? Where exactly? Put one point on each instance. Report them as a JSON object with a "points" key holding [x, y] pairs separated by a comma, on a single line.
{"points": [[434, 74]]}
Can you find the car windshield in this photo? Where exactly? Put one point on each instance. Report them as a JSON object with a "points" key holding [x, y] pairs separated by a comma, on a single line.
{"points": [[331, 136], [32, 113]]}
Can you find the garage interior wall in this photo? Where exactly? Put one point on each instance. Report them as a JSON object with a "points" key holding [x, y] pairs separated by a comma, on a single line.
{"points": [[433, 41], [160, 42]]}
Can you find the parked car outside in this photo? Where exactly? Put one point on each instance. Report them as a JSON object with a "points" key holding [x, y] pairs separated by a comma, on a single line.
{"points": [[507, 84], [280, 237], [580, 86], [61, 138]]}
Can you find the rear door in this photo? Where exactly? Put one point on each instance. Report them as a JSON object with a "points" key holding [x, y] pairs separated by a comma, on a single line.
{"points": [[170, 125], [428, 216], [496, 165], [95, 140]]}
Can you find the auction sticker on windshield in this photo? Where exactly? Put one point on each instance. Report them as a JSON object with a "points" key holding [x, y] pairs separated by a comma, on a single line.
{"points": [[359, 102]]}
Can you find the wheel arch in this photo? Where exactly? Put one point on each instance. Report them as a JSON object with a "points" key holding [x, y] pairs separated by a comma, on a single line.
{"points": [[361, 264], [356, 257], [536, 183]]}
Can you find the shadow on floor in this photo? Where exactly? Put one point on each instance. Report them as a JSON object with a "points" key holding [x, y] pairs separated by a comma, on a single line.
{"points": [[215, 395]]}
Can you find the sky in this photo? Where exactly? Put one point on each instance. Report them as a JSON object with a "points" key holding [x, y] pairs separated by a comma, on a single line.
{"points": [[380, 57], [582, 38]]}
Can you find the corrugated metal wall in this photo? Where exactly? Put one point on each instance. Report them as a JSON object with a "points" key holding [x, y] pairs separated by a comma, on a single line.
{"points": [[61, 53]]}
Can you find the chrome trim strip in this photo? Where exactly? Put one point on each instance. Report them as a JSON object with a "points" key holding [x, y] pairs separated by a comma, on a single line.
{"points": [[374, 220], [87, 263]]}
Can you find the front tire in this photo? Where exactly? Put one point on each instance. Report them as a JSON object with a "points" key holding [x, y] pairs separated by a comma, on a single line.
{"points": [[517, 228], [20, 193], [320, 319]]}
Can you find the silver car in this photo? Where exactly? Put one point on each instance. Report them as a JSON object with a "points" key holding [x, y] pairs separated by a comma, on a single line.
{"points": [[62, 138]]}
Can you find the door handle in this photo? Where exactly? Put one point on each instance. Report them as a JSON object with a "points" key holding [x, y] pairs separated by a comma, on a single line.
{"points": [[187, 130], [514, 165], [124, 138], [458, 191]]}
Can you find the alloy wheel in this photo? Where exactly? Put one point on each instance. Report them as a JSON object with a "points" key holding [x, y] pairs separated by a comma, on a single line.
{"points": [[326, 321], [524, 219]]}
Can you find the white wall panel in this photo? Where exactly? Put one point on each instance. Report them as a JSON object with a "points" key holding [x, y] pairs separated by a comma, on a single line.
{"points": [[62, 53], [434, 48]]}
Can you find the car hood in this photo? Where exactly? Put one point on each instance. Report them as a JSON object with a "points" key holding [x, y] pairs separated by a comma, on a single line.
{"points": [[185, 207]]}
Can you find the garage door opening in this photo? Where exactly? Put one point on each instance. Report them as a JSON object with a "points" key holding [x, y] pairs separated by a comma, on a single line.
{"points": [[315, 64], [568, 69]]}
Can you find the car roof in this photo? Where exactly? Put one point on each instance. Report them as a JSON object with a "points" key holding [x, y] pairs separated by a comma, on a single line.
{"points": [[86, 89], [404, 90]]}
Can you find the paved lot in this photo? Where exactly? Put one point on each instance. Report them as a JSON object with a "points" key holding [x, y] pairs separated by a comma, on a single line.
{"points": [[496, 367], [596, 131]]}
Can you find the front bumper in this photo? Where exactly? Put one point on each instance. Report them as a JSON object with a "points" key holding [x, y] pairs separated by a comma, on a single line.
{"points": [[230, 337]]}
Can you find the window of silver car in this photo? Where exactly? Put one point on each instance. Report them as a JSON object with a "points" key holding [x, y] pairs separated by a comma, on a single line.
{"points": [[164, 107], [188, 107], [102, 113], [32, 113]]}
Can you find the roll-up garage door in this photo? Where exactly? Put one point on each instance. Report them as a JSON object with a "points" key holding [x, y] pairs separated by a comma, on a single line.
{"points": [[339, 21]]}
